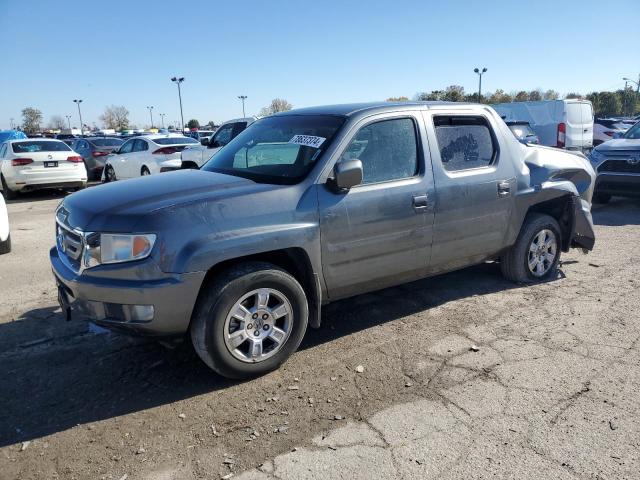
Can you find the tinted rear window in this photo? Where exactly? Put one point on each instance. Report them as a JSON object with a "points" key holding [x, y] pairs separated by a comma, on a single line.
{"points": [[107, 142], [39, 146], [579, 113], [174, 140], [522, 130]]}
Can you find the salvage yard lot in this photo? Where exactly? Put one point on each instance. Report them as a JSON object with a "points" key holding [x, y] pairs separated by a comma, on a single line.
{"points": [[551, 391]]}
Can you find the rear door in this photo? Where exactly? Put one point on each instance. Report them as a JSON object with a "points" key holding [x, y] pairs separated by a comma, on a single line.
{"points": [[475, 183], [579, 125], [139, 156]]}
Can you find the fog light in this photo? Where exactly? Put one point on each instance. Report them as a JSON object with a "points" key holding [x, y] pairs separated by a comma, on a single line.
{"points": [[140, 313]]}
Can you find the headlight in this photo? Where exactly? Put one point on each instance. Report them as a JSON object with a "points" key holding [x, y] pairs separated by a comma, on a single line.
{"points": [[596, 157], [101, 248]]}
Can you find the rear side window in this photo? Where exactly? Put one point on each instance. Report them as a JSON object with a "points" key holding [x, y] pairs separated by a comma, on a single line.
{"points": [[464, 142], [579, 113], [140, 146], [388, 150], [174, 140], [106, 142], [223, 136], [39, 146]]}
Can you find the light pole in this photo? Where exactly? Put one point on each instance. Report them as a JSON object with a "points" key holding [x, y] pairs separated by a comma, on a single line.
{"points": [[178, 81], [11, 120], [69, 121], [162, 119], [78, 102], [243, 98], [480, 73], [637, 84], [151, 114]]}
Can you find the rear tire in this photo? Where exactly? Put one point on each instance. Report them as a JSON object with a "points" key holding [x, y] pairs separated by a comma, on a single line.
{"points": [[531, 248], [601, 198], [214, 324], [8, 193]]}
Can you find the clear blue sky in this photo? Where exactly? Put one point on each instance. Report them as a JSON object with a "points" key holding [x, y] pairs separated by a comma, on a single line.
{"points": [[124, 52]]}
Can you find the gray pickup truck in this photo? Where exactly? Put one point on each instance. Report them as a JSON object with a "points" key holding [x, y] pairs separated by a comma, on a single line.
{"points": [[309, 206]]}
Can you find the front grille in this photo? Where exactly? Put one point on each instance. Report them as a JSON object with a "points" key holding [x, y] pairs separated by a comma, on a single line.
{"points": [[70, 244], [619, 166]]}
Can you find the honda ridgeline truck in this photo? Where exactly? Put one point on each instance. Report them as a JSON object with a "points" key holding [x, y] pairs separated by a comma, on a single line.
{"points": [[309, 206]]}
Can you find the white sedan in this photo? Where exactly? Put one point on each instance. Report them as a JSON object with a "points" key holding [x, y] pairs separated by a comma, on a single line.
{"points": [[146, 155], [34, 163], [5, 235]]}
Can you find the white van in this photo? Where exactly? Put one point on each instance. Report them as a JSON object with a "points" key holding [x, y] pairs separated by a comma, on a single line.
{"points": [[558, 123]]}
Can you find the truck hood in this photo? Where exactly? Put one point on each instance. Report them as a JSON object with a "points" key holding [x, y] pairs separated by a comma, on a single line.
{"points": [[120, 206], [619, 144]]}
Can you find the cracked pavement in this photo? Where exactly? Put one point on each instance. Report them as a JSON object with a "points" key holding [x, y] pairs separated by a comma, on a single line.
{"points": [[465, 376]]}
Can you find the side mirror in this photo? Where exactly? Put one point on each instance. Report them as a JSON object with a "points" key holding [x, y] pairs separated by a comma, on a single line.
{"points": [[347, 174], [115, 152], [204, 141], [617, 135], [214, 144]]}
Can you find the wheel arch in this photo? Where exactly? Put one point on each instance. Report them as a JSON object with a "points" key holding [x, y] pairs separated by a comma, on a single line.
{"points": [[294, 261], [561, 208]]}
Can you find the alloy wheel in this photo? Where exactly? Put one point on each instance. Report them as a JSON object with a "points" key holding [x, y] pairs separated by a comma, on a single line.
{"points": [[258, 325], [542, 252]]}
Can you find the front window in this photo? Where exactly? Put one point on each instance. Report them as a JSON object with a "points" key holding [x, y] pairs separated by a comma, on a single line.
{"points": [[39, 146], [633, 133], [387, 149], [279, 149]]}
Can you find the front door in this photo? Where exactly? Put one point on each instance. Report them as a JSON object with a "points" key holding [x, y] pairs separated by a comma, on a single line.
{"points": [[379, 233], [475, 188]]}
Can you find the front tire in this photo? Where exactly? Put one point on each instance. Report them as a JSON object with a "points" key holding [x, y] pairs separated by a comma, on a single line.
{"points": [[144, 171], [535, 255], [249, 320]]}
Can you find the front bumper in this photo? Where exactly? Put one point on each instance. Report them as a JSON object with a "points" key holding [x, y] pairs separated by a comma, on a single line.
{"points": [[116, 297], [623, 184]]}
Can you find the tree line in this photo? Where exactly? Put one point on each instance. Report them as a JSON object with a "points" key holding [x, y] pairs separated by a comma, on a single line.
{"points": [[116, 117], [605, 104]]}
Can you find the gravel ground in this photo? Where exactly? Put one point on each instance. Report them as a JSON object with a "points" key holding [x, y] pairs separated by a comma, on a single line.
{"points": [[463, 375]]}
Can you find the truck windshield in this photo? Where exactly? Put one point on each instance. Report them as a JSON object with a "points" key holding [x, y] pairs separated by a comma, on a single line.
{"points": [[278, 149]]}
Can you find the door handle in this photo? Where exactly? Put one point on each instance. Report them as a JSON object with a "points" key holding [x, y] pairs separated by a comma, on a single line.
{"points": [[420, 202], [504, 189]]}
